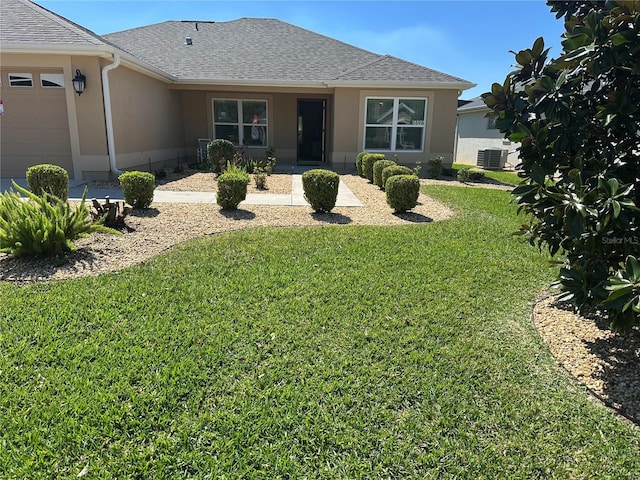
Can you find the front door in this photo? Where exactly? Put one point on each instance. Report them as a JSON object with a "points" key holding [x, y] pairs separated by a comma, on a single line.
{"points": [[311, 130]]}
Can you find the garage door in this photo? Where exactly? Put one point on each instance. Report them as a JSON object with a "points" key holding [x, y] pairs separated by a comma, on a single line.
{"points": [[35, 126]]}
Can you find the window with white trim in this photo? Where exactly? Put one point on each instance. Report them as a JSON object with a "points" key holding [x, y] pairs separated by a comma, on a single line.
{"points": [[395, 124], [52, 80], [21, 80], [242, 122]]}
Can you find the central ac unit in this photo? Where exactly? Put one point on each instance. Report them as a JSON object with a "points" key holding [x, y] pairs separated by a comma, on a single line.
{"points": [[492, 158]]}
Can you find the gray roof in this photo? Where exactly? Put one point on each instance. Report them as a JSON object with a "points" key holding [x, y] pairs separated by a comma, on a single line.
{"points": [[247, 50], [267, 50], [26, 24], [473, 105]]}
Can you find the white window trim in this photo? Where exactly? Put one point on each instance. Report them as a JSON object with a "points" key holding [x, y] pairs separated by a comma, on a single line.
{"points": [[241, 123], [52, 78], [26, 75], [394, 125]]}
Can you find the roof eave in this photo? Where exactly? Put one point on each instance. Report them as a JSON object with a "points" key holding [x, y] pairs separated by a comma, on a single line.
{"points": [[401, 84], [480, 108], [56, 49]]}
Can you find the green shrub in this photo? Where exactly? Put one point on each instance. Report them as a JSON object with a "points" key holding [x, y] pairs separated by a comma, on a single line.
{"points": [[232, 187], [359, 163], [137, 188], [389, 172], [468, 174], [219, 153], [378, 167], [434, 167], [260, 179], [367, 164], [321, 189], [51, 179], [402, 192], [43, 225]]}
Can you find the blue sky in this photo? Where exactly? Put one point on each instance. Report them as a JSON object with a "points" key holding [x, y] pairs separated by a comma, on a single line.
{"points": [[468, 39]]}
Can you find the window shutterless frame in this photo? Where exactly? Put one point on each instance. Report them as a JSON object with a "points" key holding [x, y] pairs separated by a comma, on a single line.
{"points": [[21, 80], [395, 124], [244, 122]]}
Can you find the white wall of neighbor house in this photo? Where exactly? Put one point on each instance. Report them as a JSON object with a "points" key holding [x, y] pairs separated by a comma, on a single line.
{"points": [[473, 134]]}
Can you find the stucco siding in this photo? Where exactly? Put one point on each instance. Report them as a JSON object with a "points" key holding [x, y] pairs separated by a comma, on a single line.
{"points": [[147, 119], [473, 135]]}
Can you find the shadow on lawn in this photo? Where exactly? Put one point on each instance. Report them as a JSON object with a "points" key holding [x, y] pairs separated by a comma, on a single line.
{"points": [[332, 218], [413, 217]]}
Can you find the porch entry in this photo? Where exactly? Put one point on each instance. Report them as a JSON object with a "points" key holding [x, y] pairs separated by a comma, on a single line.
{"points": [[311, 131]]}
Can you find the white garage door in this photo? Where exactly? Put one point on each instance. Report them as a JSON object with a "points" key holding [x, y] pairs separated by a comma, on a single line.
{"points": [[35, 126]]}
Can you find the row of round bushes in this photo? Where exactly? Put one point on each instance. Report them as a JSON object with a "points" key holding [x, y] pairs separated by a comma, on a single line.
{"points": [[400, 183]]}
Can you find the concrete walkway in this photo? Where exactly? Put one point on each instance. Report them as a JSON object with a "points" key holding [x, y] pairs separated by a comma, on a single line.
{"points": [[346, 198]]}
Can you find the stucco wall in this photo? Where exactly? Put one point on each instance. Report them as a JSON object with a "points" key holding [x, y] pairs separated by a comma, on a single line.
{"points": [[147, 120], [348, 129]]}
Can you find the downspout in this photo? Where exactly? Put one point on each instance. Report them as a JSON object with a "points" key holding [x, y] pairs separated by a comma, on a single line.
{"points": [[106, 95]]}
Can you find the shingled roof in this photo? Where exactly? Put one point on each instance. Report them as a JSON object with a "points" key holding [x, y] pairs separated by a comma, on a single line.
{"points": [[25, 25], [252, 51], [268, 51]]}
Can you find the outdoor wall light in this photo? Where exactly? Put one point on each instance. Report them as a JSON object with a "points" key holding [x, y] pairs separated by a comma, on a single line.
{"points": [[79, 82]]}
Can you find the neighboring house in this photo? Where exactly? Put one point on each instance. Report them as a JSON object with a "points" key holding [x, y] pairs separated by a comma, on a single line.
{"points": [[152, 92], [477, 132]]}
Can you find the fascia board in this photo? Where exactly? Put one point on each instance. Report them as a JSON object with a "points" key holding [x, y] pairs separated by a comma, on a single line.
{"points": [[250, 83], [401, 84]]}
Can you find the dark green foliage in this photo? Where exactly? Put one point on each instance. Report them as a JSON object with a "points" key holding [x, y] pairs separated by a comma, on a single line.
{"points": [[378, 167], [219, 153], [389, 172], [42, 225], [434, 167], [137, 188], [577, 118], [321, 189], [359, 163], [232, 187], [469, 174], [51, 179], [367, 164], [402, 192]]}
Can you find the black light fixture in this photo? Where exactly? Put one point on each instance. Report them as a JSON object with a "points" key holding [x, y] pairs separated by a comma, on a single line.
{"points": [[79, 82]]}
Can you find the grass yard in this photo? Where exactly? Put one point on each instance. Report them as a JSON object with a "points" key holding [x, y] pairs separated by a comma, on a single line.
{"points": [[330, 352], [509, 178]]}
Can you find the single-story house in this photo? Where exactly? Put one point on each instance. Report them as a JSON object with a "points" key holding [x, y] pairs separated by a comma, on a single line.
{"points": [[478, 141], [151, 92]]}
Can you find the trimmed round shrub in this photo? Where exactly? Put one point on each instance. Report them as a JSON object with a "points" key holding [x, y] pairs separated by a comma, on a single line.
{"points": [[466, 174], [402, 192], [367, 164], [219, 152], [47, 178], [321, 189], [137, 188], [232, 188], [377, 171], [389, 172], [359, 163]]}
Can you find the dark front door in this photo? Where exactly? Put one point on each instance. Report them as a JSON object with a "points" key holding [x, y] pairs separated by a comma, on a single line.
{"points": [[311, 130]]}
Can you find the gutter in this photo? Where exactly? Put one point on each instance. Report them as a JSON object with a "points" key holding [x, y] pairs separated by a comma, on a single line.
{"points": [[106, 95]]}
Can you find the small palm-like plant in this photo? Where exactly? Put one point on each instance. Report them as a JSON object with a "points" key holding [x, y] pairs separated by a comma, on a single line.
{"points": [[43, 225]]}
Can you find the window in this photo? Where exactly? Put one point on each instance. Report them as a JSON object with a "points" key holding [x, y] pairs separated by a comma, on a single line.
{"points": [[20, 80], [395, 124], [52, 80], [491, 122], [242, 122]]}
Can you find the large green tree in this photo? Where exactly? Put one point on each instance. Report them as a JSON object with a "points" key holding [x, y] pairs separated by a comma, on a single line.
{"points": [[578, 120]]}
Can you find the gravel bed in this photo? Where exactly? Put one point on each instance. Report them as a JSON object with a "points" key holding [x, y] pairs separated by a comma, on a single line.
{"points": [[606, 363]]}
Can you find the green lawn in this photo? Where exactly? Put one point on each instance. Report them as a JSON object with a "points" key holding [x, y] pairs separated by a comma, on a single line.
{"points": [[509, 178], [329, 352]]}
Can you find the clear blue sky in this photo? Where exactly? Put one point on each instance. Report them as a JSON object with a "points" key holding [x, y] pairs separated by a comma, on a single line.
{"points": [[468, 39]]}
